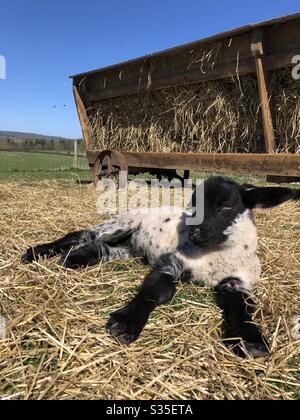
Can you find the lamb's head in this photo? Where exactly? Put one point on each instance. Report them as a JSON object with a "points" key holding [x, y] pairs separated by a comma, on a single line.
{"points": [[225, 201]]}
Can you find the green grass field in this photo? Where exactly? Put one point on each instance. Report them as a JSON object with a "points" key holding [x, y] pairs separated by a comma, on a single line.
{"points": [[16, 166], [30, 166]]}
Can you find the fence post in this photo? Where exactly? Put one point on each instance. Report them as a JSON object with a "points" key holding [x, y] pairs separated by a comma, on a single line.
{"points": [[258, 51]]}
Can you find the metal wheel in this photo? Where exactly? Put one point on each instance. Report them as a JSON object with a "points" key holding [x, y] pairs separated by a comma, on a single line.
{"points": [[111, 163]]}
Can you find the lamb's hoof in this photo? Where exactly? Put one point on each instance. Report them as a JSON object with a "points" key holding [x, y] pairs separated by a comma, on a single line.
{"points": [[74, 260], [28, 257], [69, 261], [124, 327], [122, 332], [80, 258], [257, 350], [246, 349]]}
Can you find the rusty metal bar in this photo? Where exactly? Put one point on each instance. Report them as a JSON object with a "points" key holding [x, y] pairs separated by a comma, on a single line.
{"points": [[254, 164]]}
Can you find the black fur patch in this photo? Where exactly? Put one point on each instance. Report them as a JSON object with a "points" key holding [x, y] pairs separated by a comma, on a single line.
{"points": [[62, 245], [127, 323], [239, 330], [267, 197], [222, 205]]}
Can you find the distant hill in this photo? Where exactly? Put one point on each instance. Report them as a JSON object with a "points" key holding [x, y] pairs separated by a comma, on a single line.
{"points": [[32, 136], [31, 142]]}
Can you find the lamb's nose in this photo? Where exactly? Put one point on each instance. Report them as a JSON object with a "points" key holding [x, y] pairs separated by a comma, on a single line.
{"points": [[204, 229], [194, 230], [199, 230]]}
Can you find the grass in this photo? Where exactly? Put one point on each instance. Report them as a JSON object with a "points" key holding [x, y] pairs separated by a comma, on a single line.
{"points": [[28, 166], [32, 167], [57, 346]]}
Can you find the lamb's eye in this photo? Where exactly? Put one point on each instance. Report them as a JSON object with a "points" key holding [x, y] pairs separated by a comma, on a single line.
{"points": [[226, 206]]}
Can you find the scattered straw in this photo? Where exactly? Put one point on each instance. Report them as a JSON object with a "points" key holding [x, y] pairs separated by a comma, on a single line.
{"points": [[57, 346]]}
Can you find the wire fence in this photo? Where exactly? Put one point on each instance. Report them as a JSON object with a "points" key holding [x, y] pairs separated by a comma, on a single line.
{"points": [[43, 162]]}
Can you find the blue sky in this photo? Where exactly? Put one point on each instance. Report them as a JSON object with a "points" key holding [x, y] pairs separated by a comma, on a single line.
{"points": [[46, 41]]}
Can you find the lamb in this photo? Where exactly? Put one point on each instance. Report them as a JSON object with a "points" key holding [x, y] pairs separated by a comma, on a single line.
{"points": [[220, 252]]}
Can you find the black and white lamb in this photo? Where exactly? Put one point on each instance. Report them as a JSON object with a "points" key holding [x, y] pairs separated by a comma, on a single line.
{"points": [[220, 252]]}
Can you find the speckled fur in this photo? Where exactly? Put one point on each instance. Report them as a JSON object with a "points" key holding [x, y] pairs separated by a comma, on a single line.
{"points": [[221, 252], [164, 231]]}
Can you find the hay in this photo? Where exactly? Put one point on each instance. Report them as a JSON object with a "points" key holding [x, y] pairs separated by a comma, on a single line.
{"points": [[286, 100], [198, 118], [57, 346], [220, 116]]}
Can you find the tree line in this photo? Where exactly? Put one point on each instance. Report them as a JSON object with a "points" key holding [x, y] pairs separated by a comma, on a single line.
{"points": [[55, 145]]}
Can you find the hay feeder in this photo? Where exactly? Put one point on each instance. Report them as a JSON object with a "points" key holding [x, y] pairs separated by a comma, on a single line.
{"points": [[227, 103]]}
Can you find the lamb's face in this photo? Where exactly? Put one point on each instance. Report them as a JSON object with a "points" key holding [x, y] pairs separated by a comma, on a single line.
{"points": [[222, 205]]}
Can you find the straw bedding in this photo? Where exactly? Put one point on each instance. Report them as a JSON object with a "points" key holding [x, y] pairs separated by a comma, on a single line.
{"points": [[220, 116], [56, 345]]}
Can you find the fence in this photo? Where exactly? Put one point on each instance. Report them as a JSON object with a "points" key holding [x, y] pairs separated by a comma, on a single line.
{"points": [[23, 158]]}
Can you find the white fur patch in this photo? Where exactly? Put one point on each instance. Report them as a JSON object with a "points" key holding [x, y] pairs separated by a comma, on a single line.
{"points": [[235, 258], [163, 231], [157, 232]]}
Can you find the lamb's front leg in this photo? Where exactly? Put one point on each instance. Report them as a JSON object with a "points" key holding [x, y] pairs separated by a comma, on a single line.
{"points": [[239, 329], [158, 288]]}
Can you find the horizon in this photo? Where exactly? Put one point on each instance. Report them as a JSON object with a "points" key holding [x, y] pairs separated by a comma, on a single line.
{"points": [[36, 97], [4, 133]]}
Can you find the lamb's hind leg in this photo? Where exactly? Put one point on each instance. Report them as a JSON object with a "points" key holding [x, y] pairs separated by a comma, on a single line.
{"points": [[62, 245], [113, 242], [109, 232], [92, 254], [238, 327]]}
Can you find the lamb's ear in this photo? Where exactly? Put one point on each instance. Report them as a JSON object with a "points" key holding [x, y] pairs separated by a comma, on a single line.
{"points": [[266, 197]]}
